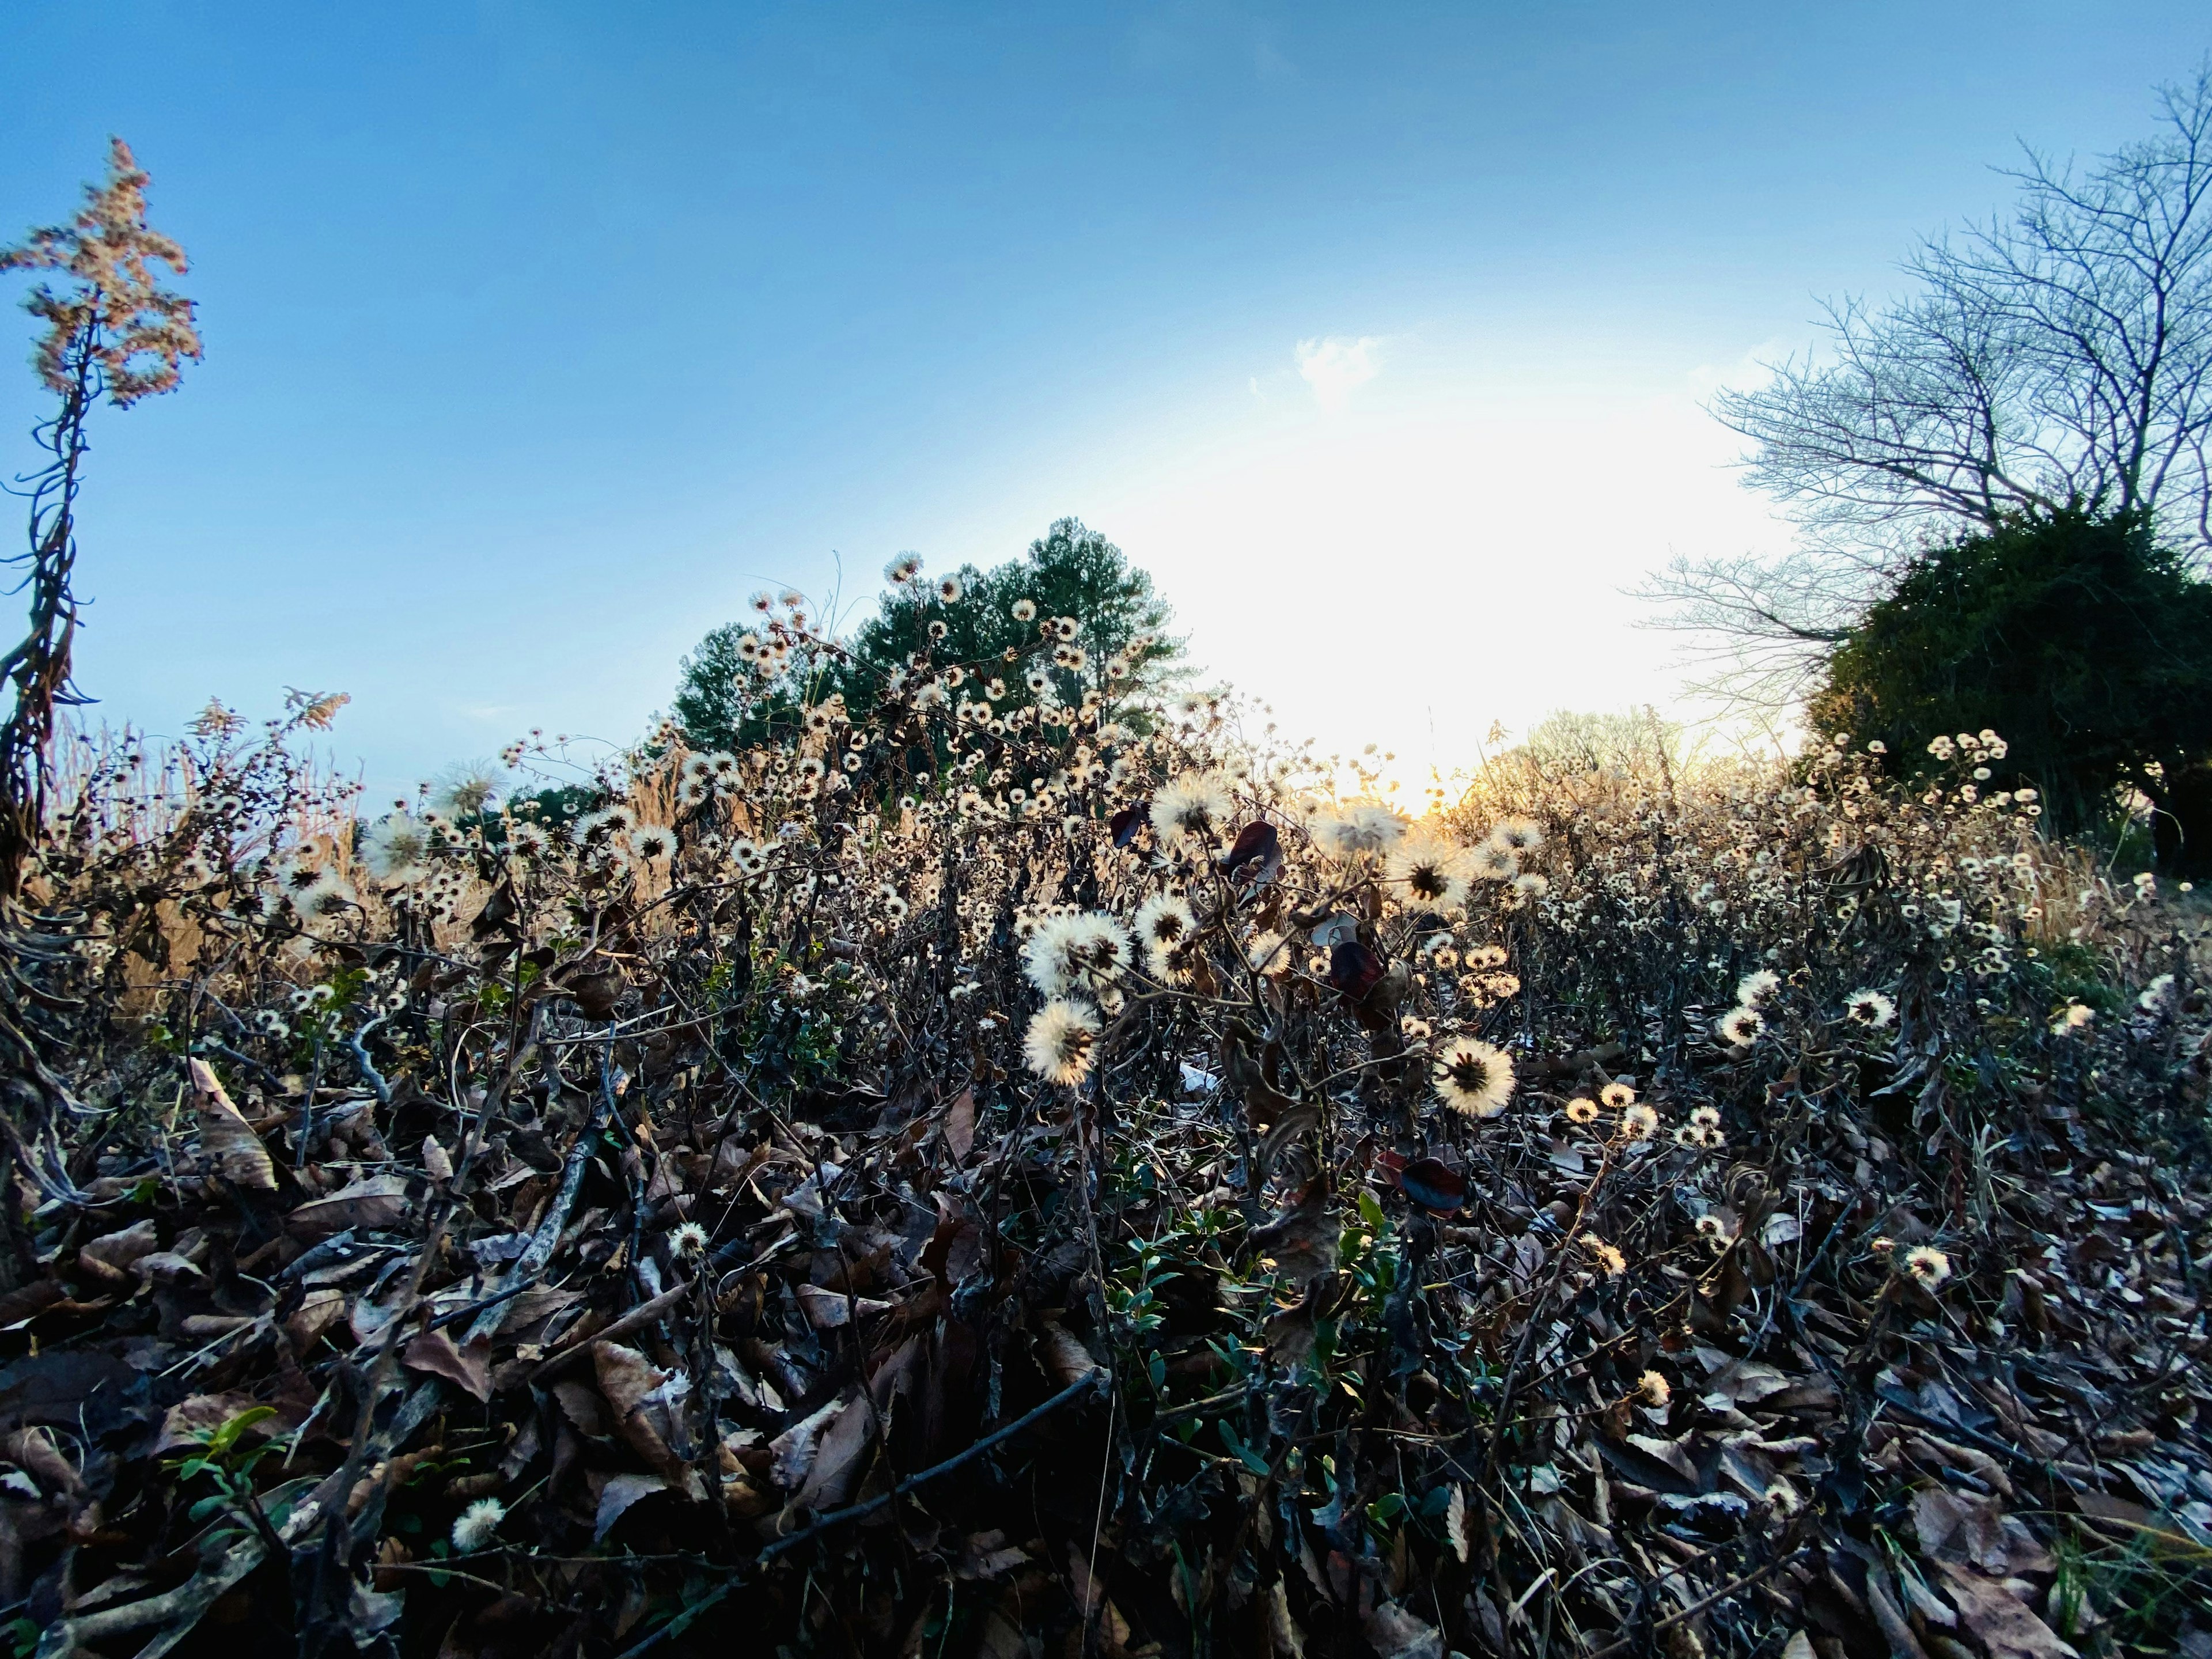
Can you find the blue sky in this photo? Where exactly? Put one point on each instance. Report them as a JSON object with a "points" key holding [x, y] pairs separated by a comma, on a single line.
{"points": [[539, 335]]}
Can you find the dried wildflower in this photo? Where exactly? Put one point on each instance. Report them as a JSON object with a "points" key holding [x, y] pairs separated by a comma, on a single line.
{"points": [[1413, 1029], [949, 591], [1517, 835], [1472, 1078], [1711, 1229], [1609, 1257], [1927, 1265], [1363, 827], [1739, 1027], [1869, 1008], [1582, 1110], [1068, 951], [1269, 953], [1655, 1390], [1165, 919], [687, 1239], [1431, 871], [1617, 1095], [478, 1526], [1639, 1123], [466, 789], [327, 895], [1195, 808], [651, 841], [1493, 862], [1058, 1045], [1024, 610], [1757, 986], [396, 849], [902, 570], [136, 333]]}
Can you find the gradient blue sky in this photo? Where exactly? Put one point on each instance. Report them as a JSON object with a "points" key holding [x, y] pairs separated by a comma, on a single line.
{"points": [[541, 334]]}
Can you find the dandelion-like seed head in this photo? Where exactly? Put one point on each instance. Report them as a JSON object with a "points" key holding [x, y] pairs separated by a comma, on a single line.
{"points": [[1582, 1109], [903, 569], [1058, 1044], [1024, 610], [1365, 827], [1755, 987], [1191, 808], [949, 590], [1705, 1118], [1928, 1266], [1430, 871], [1472, 1078], [1639, 1123], [1869, 1008], [688, 1240], [1517, 835], [1083, 950], [478, 1526], [1165, 919], [1654, 1390], [1493, 862], [1739, 1027], [465, 790], [396, 849]]}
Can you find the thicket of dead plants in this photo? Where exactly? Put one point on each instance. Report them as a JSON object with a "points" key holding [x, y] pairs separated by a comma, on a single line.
{"points": [[982, 1180], [1008, 1173]]}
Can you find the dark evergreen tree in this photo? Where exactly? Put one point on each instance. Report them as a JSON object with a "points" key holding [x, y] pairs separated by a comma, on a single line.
{"points": [[2084, 642]]}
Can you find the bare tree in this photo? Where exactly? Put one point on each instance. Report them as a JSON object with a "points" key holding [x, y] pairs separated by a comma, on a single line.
{"points": [[2060, 356]]}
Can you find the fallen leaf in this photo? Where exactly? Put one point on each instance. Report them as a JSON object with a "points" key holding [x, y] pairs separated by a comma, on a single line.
{"points": [[370, 1206], [960, 1126], [227, 1140], [435, 1352], [617, 1495], [2004, 1624]]}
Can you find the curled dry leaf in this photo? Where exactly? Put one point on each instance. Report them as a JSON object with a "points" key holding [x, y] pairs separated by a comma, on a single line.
{"points": [[228, 1142]]}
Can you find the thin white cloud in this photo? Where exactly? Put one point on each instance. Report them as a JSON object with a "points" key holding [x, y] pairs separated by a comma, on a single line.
{"points": [[1334, 365], [1748, 373]]}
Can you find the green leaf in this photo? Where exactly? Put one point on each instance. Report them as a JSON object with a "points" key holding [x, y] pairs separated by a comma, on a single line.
{"points": [[1371, 1211], [226, 1437], [1242, 1453]]}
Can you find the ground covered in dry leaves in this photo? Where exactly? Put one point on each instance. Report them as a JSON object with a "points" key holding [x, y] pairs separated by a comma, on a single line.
{"points": [[1759, 1212]]}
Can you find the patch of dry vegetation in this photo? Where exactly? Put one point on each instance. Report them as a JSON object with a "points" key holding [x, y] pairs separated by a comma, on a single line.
{"points": [[1060, 1180]]}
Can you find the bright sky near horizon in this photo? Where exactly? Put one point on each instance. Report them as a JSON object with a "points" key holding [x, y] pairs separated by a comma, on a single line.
{"points": [[541, 333]]}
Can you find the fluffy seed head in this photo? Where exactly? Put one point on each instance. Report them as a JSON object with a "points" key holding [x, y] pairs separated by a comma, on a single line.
{"points": [[478, 1527], [1472, 1078], [1058, 1044], [1195, 808], [1928, 1265], [1869, 1008]]}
